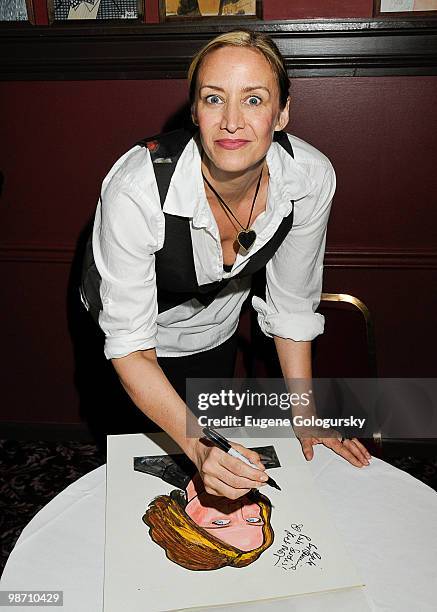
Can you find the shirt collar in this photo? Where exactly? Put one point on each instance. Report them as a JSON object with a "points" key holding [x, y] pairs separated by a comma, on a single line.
{"points": [[288, 182], [185, 191], [186, 194]]}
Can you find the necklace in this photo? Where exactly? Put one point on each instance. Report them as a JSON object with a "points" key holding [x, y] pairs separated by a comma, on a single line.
{"points": [[246, 236]]}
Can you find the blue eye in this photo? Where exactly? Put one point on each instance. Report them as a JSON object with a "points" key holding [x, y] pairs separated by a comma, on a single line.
{"points": [[254, 101], [213, 99], [221, 522], [253, 519]]}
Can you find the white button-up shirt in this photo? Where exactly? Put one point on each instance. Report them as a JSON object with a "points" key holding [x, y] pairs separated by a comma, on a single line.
{"points": [[129, 228]]}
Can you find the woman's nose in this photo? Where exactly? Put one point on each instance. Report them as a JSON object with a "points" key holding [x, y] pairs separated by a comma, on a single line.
{"points": [[233, 117]]}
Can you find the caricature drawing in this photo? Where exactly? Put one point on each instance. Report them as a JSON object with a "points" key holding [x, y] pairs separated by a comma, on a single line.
{"points": [[199, 531]]}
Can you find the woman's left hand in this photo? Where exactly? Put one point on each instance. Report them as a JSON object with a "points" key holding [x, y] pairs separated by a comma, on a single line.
{"points": [[351, 449]]}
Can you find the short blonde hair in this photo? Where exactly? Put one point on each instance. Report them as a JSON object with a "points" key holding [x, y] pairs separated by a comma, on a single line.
{"points": [[250, 40]]}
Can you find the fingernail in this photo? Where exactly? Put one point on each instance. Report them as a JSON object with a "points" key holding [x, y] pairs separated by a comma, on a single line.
{"points": [[264, 477]]}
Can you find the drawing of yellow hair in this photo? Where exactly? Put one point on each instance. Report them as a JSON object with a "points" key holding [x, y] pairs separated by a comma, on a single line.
{"points": [[194, 548]]}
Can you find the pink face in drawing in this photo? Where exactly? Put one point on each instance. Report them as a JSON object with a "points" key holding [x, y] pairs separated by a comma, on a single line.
{"points": [[235, 522]]}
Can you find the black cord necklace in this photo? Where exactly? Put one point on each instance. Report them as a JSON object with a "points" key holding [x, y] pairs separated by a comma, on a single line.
{"points": [[246, 236]]}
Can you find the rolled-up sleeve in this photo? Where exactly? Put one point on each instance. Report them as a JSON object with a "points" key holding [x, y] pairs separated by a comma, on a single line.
{"points": [[294, 274], [127, 231]]}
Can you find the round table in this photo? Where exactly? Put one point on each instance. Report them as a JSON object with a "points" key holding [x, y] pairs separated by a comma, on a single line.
{"points": [[386, 518]]}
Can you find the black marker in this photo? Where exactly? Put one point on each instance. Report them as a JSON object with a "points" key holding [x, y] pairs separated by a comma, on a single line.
{"points": [[224, 444]]}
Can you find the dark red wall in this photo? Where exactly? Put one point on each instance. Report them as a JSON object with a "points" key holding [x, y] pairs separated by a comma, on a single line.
{"points": [[62, 137], [380, 135], [308, 9]]}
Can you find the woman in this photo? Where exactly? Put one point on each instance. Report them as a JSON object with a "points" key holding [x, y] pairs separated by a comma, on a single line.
{"points": [[231, 202]]}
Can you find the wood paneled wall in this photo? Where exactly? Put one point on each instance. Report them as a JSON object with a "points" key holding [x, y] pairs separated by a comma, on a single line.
{"points": [[61, 137]]}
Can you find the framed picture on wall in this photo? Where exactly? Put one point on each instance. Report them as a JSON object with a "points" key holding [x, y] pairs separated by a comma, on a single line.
{"points": [[409, 8], [16, 10], [72, 10], [197, 9]]}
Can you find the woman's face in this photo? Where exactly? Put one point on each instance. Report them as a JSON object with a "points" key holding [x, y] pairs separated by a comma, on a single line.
{"points": [[237, 108], [236, 522]]}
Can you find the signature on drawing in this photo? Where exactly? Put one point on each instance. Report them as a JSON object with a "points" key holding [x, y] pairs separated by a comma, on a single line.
{"points": [[296, 550]]}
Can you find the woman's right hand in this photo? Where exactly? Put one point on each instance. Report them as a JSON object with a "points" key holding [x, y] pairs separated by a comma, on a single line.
{"points": [[225, 475]]}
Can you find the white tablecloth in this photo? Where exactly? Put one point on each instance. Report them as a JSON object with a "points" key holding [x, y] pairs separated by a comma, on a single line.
{"points": [[387, 519]]}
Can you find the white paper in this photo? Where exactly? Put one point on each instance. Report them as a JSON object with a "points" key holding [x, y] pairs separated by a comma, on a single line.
{"points": [[138, 575], [388, 6]]}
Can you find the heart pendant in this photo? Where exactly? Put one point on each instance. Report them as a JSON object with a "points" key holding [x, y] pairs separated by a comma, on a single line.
{"points": [[246, 239]]}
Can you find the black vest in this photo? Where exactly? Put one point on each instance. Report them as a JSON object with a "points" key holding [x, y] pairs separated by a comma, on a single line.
{"points": [[174, 263]]}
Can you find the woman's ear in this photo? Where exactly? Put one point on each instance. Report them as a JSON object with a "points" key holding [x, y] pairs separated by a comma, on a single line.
{"points": [[284, 116], [193, 115]]}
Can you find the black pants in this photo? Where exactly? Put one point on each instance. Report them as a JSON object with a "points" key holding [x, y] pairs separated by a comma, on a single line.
{"points": [[218, 362]]}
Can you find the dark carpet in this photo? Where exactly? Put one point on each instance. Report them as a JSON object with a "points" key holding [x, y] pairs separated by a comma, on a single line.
{"points": [[33, 472]]}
